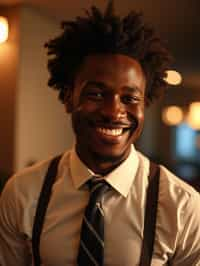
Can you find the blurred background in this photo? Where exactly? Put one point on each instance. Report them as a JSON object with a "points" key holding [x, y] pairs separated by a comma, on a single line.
{"points": [[33, 123]]}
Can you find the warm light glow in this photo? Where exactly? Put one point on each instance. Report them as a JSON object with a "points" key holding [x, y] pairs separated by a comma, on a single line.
{"points": [[3, 29], [172, 115], [193, 117], [173, 77]]}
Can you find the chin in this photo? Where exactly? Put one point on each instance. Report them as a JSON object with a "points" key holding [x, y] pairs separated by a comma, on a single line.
{"points": [[111, 156]]}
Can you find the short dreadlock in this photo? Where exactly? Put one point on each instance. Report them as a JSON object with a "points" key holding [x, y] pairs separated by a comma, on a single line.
{"points": [[99, 33]]}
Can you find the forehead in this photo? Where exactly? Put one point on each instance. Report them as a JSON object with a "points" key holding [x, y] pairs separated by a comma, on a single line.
{"points": [[113, 70]]}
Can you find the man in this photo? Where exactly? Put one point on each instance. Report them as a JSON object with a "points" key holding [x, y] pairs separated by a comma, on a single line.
{"points": [[107, 70]]}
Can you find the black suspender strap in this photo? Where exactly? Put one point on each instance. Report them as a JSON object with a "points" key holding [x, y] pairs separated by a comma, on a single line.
{"points": [[42, 207], [150, 215]]}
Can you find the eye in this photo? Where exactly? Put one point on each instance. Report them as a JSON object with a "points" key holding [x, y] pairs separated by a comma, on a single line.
{"points": [[130, 99], [94, 94]]}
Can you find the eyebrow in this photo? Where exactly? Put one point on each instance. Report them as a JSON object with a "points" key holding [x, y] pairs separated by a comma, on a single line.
{"points": [[95, 83], [132, 89]]}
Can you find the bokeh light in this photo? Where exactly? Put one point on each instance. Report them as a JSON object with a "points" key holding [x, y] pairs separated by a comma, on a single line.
{"points": [[173, 77], [3, 29], [193, 117], [172, 115]]}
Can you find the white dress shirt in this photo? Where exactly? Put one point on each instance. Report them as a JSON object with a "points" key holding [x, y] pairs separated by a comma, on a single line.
{"points": [[178, 219]]}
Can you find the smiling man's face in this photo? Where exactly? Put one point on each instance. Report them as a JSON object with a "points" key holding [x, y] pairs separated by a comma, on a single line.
{"points": [[107, 107]]}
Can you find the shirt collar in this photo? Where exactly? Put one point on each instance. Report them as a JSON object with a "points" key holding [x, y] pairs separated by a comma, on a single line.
{"points": [[121, 178]]}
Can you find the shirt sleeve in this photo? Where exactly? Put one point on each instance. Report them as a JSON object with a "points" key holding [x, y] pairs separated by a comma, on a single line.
{"points": [[13, 245], [188, 244]]}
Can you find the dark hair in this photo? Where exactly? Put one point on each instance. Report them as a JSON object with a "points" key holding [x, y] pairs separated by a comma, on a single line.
{"points": [[98, 33]]}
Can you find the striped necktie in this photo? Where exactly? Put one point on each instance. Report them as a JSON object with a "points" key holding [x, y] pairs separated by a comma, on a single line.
{"points": [[91, 249]]}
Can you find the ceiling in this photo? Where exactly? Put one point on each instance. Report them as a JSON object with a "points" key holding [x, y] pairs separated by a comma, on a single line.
{"points": [[177, 21]]}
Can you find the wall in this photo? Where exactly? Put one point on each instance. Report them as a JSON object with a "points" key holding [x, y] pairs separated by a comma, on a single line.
{"points": [[42, 127], [8, 76]]}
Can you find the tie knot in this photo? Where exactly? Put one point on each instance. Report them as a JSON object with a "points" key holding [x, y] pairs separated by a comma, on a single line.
{"points": [[98, 187]]}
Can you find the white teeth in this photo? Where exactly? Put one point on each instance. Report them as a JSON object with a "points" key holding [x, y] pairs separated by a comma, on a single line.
{"points": [[111, 132]]}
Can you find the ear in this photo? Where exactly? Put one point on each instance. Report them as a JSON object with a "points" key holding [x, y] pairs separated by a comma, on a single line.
{"points": [[68, 101]]}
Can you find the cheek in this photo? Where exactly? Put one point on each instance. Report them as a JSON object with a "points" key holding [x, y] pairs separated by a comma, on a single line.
{"points": [[137, 112], [86, 106], [83, 116], [90, 107], [141, 115], [137, 117], [140, 121], [80, 119]]}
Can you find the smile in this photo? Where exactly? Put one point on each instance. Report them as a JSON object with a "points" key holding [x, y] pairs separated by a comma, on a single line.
{"points": [[115, 132]]}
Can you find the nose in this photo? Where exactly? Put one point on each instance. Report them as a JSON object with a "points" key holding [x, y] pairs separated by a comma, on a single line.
{"points": [[113, 108]]}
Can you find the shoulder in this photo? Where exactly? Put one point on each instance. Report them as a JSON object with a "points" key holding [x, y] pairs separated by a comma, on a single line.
{"points": [[27, 183], [175, 187], [23, 188], [178, 198], [174, 193], [29, 179], [178, 206], [20, 195], [180, 210], [169, 183]]}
